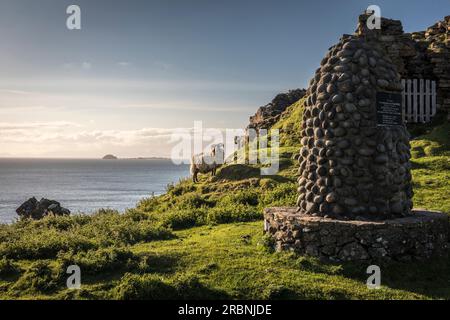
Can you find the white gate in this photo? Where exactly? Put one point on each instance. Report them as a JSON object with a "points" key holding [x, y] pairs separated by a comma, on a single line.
{"points": [[418, 100]]}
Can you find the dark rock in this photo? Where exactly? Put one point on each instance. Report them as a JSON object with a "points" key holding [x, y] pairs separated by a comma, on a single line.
{"points": [[33, 209], [353, 252]]}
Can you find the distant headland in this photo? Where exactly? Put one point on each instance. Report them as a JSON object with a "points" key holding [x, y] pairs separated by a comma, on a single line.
{"points": [[151, 158], [113, 157]]}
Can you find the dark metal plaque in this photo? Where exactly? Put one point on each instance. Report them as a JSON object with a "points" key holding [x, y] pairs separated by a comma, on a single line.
{"points": [[389, 109]]}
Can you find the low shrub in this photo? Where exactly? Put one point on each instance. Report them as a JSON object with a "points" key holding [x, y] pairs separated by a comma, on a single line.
{"points": [[184, 218], [99, 261], [284, 194], [44, 244], [8, 267], [278, 292], [39, 277], [50, 236], [192, 201], [153, 287], [267, 183], [233, 213], [243, 197], [189, 287], [145, 287]]}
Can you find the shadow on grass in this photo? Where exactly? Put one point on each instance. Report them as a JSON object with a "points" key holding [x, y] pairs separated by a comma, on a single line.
{"points": [[419, 165], [153, 287], [164, 264], [430, 278]]}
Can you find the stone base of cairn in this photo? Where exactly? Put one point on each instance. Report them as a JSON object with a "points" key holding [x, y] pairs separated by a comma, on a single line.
{"points": [[421, 236]]}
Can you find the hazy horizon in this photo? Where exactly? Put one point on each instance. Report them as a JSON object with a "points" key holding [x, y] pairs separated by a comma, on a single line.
{"points": [[138, 70], [93, 158]]}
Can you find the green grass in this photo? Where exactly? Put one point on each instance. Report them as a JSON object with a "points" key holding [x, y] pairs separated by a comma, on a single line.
{"points": [[431, 183], [205, 240], [290, 125], [231, 261], [435, 143], [431, 169]]}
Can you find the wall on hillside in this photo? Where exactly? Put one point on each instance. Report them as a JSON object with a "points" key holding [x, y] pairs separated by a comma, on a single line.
{"points": [[421, 55]]}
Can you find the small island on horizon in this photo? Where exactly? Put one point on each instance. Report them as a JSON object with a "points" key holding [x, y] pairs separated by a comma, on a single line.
{"points": [[113, 157], [110, 157]]}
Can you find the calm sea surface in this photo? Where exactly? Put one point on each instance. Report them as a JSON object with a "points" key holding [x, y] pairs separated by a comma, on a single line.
{"points": [[83, 185]]}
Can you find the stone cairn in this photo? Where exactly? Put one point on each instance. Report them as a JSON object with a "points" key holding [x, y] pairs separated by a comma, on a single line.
{"points": [[350, 167], [354, 182]]}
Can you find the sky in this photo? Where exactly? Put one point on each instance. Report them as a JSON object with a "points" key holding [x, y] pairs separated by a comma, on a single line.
{"points": [[139, 69]]}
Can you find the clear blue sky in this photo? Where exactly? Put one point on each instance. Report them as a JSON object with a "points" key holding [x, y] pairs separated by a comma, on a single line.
{"points": [[139, 65]]}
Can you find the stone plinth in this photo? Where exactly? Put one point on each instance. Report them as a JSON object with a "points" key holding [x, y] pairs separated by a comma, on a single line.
{"points": [[417, 237]]}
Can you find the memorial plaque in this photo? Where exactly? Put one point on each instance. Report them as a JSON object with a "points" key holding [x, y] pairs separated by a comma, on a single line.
{"points": [[389, 109]]}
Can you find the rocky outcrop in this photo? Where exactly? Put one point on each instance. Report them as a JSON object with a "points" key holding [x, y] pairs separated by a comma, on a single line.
{"points": [[33, 209], [268, 115]]}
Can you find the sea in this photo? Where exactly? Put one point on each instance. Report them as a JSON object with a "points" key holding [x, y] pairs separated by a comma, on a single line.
{"points": [[84, 186]]}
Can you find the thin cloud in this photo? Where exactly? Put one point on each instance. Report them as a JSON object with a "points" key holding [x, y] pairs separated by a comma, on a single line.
{"points": [[38, 125], [184, 106], [16, 92], [124, 64], [85, 65], [62, 84], [34, 141]]}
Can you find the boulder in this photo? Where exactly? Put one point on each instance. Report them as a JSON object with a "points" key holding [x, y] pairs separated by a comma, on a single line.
{"points": [[33, 209]]}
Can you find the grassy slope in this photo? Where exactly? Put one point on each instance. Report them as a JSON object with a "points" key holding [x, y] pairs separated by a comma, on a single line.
{"points": [[431, 169], [217, 248]]}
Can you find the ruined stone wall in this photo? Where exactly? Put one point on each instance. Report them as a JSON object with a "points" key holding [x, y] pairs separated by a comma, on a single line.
{"points": [[418, 55], [437, 41]]}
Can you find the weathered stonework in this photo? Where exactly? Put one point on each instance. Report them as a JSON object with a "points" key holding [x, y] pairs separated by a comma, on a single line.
{"points": [[417, 55], [417, 237]]}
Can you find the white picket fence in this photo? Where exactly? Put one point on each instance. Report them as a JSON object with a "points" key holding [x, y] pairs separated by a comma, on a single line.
{"points": [[418, 100]]}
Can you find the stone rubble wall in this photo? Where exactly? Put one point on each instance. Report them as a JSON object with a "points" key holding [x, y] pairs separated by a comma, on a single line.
{"points": [[418, 55], [418, 237]]}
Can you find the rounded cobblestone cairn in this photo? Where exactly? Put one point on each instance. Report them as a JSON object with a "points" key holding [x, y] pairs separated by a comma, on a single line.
{"points": [[350, 167]]}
